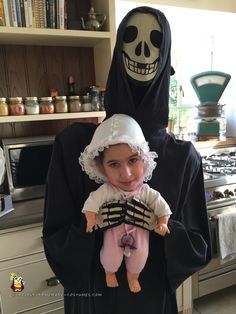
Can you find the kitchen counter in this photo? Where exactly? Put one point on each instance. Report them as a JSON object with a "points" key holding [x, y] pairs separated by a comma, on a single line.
{"points": [[229, 141], [25, 213]]}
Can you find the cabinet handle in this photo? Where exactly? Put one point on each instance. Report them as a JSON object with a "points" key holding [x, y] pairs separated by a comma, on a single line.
{"points": [[53, 281]]}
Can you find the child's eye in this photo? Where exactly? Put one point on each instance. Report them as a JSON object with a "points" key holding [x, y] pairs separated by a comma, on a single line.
{"points": [[114, 165], [133, 160]]}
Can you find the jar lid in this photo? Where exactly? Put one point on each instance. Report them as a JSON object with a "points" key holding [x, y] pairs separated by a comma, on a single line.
{"points": [[60, 97], [74, 97], [86, 98], [15, 98], [46, 98], [31, 98], [3, 99]]}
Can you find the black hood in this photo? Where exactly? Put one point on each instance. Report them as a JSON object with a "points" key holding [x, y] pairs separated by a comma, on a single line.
{"points": [[148, 105]]}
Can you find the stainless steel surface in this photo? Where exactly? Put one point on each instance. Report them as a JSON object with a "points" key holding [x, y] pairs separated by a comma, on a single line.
{"points": [[20, 193], [220, 191], [25, 213]]}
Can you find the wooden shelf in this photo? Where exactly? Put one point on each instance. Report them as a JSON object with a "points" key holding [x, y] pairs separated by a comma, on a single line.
{"points": [[54, 116], [51, 37]]}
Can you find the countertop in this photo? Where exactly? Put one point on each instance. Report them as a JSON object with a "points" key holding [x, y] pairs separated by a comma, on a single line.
{"points": [[229, 141], [24, 213]]}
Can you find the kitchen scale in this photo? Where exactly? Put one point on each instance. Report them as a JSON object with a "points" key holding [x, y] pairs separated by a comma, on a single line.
{"points": [[209, 87]]}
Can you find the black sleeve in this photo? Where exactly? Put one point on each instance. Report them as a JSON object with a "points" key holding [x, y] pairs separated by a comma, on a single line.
{"points": [[68, 247], [188, 246]]}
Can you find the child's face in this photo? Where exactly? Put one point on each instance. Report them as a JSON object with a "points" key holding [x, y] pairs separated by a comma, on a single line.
{"points": [[123, 168]]}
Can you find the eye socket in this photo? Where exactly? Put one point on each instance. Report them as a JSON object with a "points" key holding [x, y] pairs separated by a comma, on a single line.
{"points": [[156, 38], [130, 34]]}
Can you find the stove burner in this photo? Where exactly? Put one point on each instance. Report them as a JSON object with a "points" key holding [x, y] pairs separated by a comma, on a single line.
{"points": [[221, 164]]}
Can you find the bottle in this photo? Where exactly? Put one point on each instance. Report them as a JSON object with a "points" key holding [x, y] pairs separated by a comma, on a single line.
{"points": [[95, 103], [71, 86], [101, 98]]}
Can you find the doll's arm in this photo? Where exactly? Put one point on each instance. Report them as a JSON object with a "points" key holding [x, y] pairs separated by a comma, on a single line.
{"points": [[91, 220], [161, 226]]}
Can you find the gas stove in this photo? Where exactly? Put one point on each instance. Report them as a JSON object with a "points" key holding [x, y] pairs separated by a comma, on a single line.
{"points": [[219, 167]]}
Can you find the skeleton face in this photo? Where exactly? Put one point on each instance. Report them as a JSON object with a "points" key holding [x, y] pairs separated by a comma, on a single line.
{"points": [[141, 42]]}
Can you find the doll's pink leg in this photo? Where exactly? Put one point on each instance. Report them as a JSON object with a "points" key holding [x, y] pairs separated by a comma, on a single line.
{"points": [[137, 260], [111, 254]]}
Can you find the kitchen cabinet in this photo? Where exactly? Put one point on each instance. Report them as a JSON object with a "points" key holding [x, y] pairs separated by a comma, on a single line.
{"points": [[22, 255]]}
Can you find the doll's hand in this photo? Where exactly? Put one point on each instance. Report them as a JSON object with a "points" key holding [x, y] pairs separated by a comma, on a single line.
{"points": [[90, 225], [91, 221], [162, 229]]}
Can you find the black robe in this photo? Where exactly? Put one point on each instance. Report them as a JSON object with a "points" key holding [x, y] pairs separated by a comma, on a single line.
{"points": [[73, 254]]}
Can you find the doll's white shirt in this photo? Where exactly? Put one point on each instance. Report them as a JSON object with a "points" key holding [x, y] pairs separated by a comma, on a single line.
{"points": [[106, 193]]}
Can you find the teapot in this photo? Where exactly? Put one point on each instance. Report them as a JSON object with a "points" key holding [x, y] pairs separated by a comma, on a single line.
{"points": [[94, 21]]}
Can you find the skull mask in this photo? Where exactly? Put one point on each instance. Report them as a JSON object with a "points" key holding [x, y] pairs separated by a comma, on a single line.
{"points": [[141, 42]]}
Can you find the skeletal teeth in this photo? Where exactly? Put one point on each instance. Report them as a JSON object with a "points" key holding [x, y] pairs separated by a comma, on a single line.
{"points": [[135, 67]]}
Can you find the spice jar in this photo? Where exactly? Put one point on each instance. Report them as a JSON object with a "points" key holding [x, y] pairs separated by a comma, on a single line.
{"points": [[16, 106], [31, 105], [75, 104], [46, 105], [61, 104], [3, 107], [86, 103]]}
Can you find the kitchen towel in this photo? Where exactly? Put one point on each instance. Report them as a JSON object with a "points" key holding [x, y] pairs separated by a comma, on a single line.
{"points": [[226, 235]]}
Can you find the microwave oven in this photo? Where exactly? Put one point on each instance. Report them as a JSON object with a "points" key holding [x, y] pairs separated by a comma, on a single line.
{"points": [[27, 161]]}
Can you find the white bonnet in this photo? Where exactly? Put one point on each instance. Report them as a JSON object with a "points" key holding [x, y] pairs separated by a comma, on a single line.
{"points": [[119, 128]]}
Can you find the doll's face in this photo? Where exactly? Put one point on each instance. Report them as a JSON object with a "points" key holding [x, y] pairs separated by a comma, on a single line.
{"points": [[123, 167]]}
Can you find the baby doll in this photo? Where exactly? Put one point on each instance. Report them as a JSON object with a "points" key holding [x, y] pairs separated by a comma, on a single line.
{"points": [[119, 157]]}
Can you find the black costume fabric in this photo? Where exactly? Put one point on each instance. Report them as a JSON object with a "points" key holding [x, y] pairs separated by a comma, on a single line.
{"points": [[73, 254]]}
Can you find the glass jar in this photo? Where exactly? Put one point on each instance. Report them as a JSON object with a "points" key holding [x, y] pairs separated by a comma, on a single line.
{"points": [[75, 104], [3, 107], [31, 105], [86, 106], [16, 106], [61, 104], [46, 105]]}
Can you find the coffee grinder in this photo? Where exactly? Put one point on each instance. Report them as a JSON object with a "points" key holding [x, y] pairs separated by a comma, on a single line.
{"points": [[209, 87]]}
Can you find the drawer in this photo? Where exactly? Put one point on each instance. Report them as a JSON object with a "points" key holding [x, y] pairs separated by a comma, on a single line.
{"points": [[35, 272], [55, 308], [21, 243]]}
